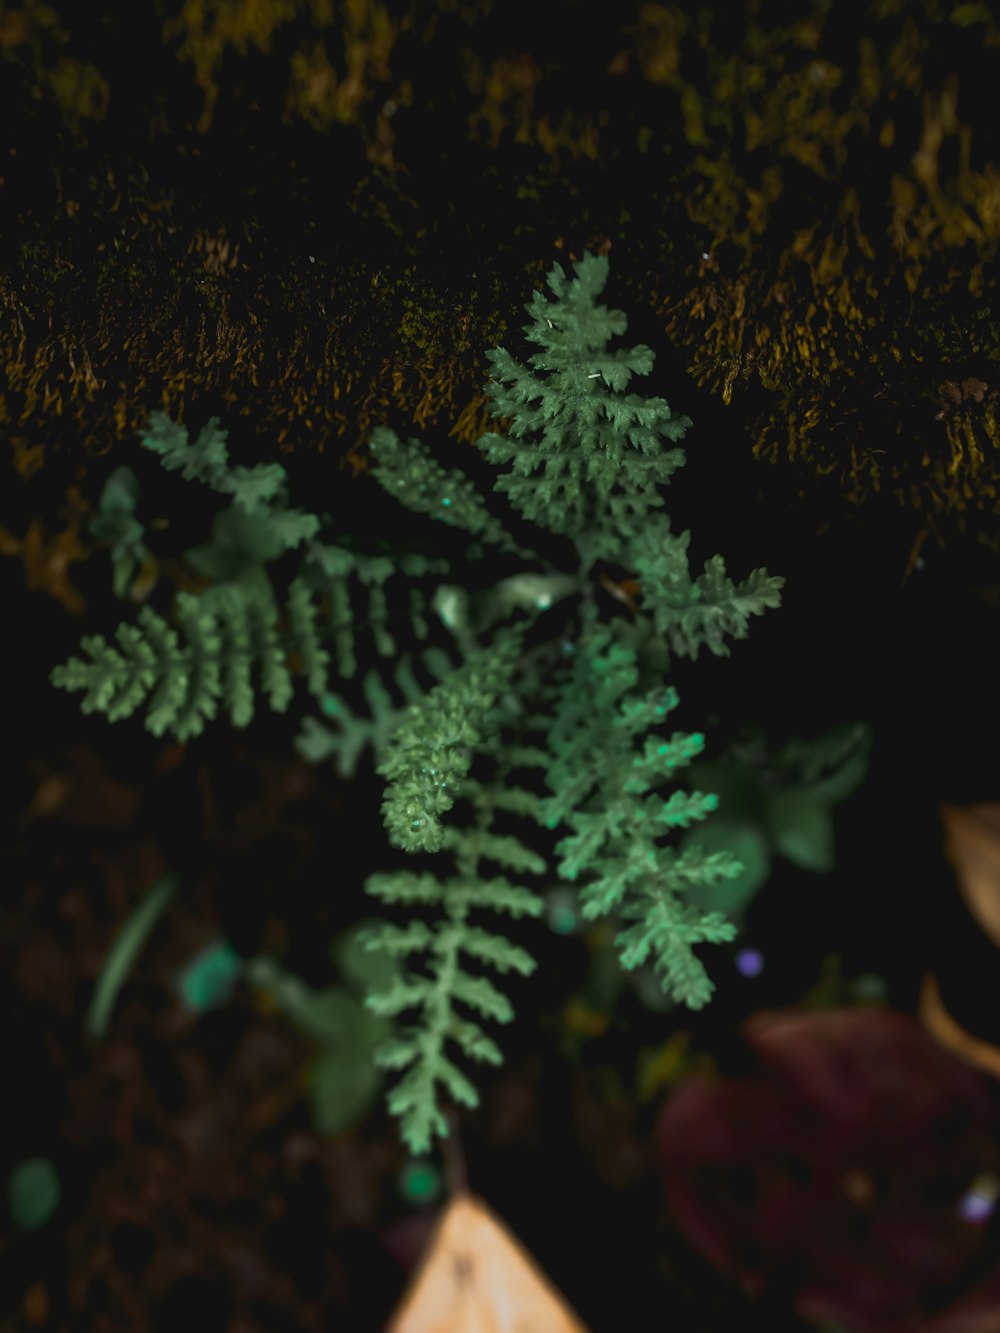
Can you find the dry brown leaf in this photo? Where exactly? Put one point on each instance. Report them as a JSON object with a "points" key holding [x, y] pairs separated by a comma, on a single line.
{"points": [[944, 1029], [48, 557], [476, 1278], [972, 845]]}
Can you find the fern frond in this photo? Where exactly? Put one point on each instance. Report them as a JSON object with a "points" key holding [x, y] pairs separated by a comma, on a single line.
{"points": [[689, 614], [599, 781], [666, 929], [305, 633], [411, 474], [328, 570], [342, 735], [595, 471], [430, 752], [222, 634], [227, 631], [455, 949], [255, 489], [421, 1047]]}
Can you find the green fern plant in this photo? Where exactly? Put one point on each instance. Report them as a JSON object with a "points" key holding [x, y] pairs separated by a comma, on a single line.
{"points": [[568, 696]]}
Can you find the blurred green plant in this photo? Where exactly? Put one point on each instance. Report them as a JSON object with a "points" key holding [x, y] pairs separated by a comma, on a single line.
{"points": [[210, 978], [342, 1078], [33, 1193], [116, 524], [775, 804], [125, 948]]}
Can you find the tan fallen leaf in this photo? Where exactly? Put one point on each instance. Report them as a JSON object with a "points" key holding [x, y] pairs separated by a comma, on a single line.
{"points": [[476, 1278], [972, 845], [944, 1029]]}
